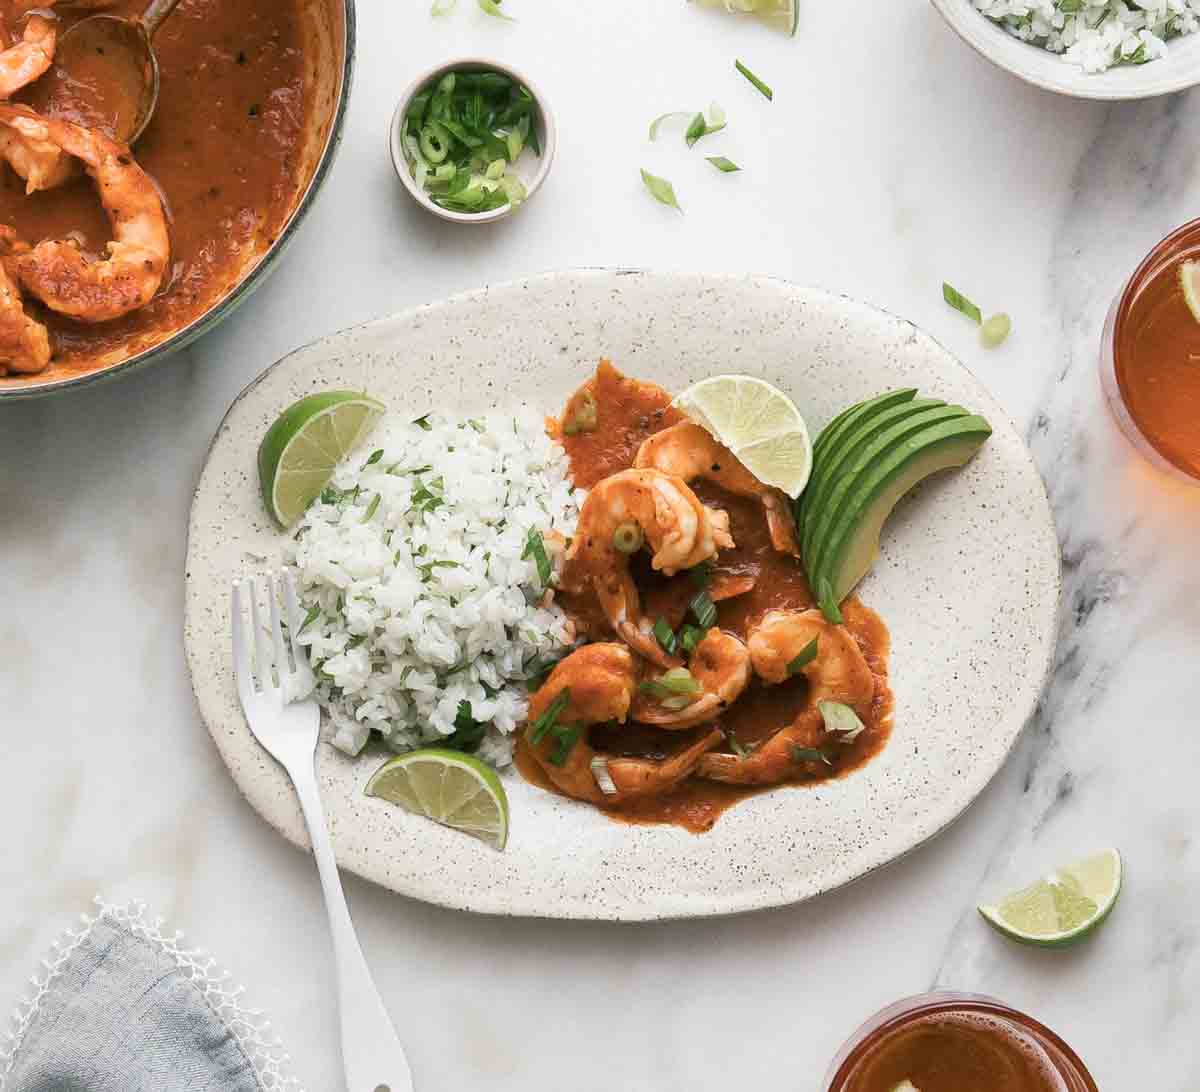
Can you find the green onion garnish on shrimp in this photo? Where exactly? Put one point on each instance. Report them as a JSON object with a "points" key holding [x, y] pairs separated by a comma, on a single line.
{"points": [[463, 135]]}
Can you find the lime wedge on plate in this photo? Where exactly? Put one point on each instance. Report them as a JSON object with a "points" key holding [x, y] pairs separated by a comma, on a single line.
{"points": [[1189, 281], [758, 423], [301, 449], [779, 14], [448, 787], [1064, 907]]}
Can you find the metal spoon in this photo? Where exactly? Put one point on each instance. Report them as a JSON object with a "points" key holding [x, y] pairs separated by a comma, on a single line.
{"points": [[116, 50]]}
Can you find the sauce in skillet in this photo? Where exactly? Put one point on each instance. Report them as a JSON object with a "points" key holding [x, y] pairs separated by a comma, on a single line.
{"points": [[222, 148], [629, 412]]}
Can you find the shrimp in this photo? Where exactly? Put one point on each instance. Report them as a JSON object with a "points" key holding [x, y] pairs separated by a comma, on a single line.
{"points": [[839, 672], [599, 681], [679, 530], [721, 665], [42, 164], [24, 62], [24, 342], [57, 271], [689, 452]]}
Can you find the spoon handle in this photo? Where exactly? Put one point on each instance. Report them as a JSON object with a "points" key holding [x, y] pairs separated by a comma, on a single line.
{"points": [[156, 13]]}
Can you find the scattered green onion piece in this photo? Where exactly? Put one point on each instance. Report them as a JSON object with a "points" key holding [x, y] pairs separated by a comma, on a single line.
{"points": [[628, 538], [565, 739], [805, 657], [702, 126], [658, 121], [492, 7], [495, 170], [600, 772], [549, 718], [830, 607], [678, 681], [660, 189], [445, 172], [372, 508], [585, 417], [701, 574], [514, 143], [313, 614], [841, 721], [690, 638], [423, 423], [725, 166], [435, 144], [734, 745], [762, 87], [810, 754], [676, 704], [704, 609], [468, 732], [376, 455], [995, 331], [443, 7], [535, 547], [665, 636], [960, 303]]}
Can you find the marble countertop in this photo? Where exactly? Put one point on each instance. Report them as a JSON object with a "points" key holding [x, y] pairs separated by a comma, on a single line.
{"points": [[892, 158]]}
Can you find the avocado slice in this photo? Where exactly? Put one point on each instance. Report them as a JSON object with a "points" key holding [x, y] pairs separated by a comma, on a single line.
{"points": [[852, 545], [832, 433], [866, 456], [841, 455]]}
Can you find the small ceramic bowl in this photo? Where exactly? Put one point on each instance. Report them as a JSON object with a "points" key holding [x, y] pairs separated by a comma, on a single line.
{"points": [[531, 171], [1180, 69]]}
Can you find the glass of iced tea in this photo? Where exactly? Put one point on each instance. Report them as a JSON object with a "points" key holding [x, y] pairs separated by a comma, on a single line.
{"points": [[1150, 358], [951, 1042]]}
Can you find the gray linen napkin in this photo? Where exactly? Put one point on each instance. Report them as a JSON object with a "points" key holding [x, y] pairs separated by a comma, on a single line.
{"points": [[122, 1007]]}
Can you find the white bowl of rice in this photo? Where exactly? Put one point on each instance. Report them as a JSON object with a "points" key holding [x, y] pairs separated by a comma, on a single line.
{"points": [[1092, 49]]}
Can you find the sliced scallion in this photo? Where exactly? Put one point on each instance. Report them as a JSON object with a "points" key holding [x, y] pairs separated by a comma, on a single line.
{"points": [[539, 728], [565, 739], [492, 7], [690, 637], [702, 125], [628, 538], [372, 508], [960, 303], [725, 166], [423, 423], [313, 614], [810, 754], [443, 7], [658, 122], [734, 745], [376, 455], [676, 682], [841, 721], [759, 85], [994, 332], [704, 609], [661, 190], [804, 657], [665, 636], [584, 416], [603, 778], [535, 547]]}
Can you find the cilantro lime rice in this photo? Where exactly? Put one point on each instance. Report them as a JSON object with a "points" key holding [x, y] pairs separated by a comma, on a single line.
{"points": [[426, 571], [1097, 34]]}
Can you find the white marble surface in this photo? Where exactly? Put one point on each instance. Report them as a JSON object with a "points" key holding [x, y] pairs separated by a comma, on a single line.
{"points": [[886, 163]]}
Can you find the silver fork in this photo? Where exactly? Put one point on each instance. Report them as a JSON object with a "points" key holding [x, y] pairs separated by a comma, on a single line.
{"points": [[372, 1057]]}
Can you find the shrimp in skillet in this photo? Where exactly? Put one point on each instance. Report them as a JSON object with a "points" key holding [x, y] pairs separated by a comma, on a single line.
{"points": [[690, 452], [720, 665], [57, 271], [31, 57], [622, 513], [839, 672], [598, 682], [24, 342]]}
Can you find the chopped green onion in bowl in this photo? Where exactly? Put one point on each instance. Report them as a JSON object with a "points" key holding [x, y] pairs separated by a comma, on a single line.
{"points": [[461, 135]]}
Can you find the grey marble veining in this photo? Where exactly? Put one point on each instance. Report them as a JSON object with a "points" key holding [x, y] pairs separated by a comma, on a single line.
{"points": [[891, 159]]}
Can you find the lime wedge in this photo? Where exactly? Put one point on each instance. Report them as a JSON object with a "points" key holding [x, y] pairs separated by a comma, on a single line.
{"points": [[449, 787], [301, 449], [758, 423], [1189, 281], [1064, 907], [781, 15]]}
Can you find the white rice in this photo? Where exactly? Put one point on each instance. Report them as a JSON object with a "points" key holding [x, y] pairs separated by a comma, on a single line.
{"points": [[424, 603], [1097, 34]]}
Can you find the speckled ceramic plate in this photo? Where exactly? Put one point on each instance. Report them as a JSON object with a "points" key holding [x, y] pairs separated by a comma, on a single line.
{"points": [[968, 583]]}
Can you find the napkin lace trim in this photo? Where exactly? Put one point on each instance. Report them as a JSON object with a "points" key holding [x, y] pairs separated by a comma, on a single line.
{"points": [[249, 1027]]}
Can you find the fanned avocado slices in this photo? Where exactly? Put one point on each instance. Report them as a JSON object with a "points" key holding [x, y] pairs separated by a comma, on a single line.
{"points": [[864, 461]]}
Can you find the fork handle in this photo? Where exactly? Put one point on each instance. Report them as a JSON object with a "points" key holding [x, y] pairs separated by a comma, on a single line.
{"points": [[372, 1056]]}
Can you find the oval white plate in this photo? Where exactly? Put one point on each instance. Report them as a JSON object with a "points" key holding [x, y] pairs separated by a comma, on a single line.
{"points": [[968, 583]]}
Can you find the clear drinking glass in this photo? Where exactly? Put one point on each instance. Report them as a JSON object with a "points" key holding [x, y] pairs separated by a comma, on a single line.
{"points": [[874, 1034]]}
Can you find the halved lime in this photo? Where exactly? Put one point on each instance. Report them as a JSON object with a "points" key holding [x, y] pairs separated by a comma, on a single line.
{"points": [[758, 423], [449, 787], [303, 447], [1189, 281], [781, 15], [1063, 908]]}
